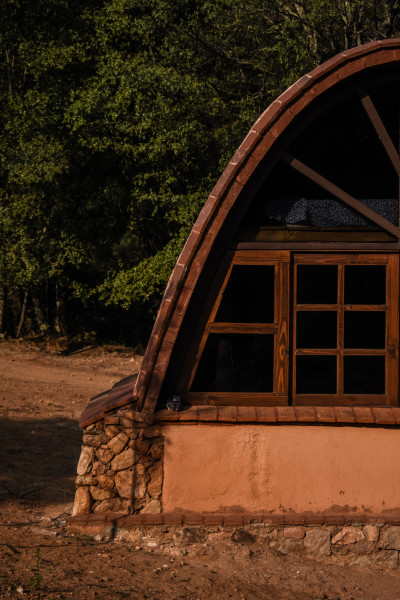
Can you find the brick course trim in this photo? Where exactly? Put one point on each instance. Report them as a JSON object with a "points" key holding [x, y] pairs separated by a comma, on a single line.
{"points": [[125, 521], [353, 415]]}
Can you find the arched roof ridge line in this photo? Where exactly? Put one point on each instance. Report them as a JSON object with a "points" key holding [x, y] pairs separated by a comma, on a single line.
{"points": [[251, 151]]}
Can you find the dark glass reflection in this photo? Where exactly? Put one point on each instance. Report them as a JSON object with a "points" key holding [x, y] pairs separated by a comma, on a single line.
{"points": [[364, 329], [365, 284], [316, 329], [248, 296], [316, 374], [364, 375], [236, 363], [317, 284]]}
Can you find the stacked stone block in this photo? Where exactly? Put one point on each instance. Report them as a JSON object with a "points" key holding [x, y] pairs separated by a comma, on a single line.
{"points": [[120, 469]]}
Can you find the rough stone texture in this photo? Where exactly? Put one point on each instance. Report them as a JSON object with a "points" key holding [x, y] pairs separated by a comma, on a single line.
{"points": [[385, 559], [118, 443], [114, 505], [156, 479], [294, 533], [240, 536], [85, 460], [111, 431], [152, 432], [82, 502], [98, 468], [124, 460], [156, 450], [371, 533], [348, 535], [120, 467], [86, 480], [286, 546], [141, 446], [104, 455], [152, 507], [390, 539], [318, 541], [105, 482], [94, 439], [99, 493], [129, 485]]}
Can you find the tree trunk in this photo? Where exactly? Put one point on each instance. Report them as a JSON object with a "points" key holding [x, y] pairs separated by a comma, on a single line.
{"points": [[15, 301], [40, 318], [61, 311], [2, 307], [22, 317]]}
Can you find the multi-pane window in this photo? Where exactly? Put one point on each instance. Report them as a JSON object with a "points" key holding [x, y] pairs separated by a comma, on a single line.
{"points": [[345, 329], [301, 328]]}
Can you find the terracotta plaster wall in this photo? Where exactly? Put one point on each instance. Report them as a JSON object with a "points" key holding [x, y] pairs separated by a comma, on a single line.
{"points": [[214, 468]]}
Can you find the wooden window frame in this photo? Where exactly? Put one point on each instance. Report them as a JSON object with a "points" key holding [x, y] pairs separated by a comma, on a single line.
{"points": [[390, 352], [284, 342], [278, 397]]}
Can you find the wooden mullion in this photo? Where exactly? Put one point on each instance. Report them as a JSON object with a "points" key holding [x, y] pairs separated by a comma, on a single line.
{"points": [[294, 332], [251, 328], [341, 259], [282, 338], [318, 246], [364, 307], [344, 400], [259, 257], [340, 332], [342, 195], [235, 398], [317, 352], [381, 130], [392, 330], [319, 307], [277, 315]]}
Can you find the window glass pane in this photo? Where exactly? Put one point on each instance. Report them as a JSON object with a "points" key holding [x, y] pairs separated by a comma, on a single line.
{"points": [[236, 363], [248, 296], [365, 284], [364, 329], [316, 329], [316, 374], [317, 284], [364, 374]]}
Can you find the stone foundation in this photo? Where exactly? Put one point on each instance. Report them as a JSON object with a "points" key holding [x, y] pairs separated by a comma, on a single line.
{"points": [[120, 469], [364, 544]]}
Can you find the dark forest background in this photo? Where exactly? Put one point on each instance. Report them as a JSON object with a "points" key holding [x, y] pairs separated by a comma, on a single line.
{"points": [[116, 119]]}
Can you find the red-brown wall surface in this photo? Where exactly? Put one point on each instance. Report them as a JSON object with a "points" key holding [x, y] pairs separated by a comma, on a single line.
{"points": [[235, 468]]}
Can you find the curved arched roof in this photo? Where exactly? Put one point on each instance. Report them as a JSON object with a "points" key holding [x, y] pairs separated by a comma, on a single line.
{"points": [[254, 148]]}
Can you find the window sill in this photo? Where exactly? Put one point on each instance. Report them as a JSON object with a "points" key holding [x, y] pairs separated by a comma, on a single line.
{"points": [[355, 415]]}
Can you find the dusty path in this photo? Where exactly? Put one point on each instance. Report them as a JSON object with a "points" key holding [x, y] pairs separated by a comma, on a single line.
{"points": [[41, 396]]}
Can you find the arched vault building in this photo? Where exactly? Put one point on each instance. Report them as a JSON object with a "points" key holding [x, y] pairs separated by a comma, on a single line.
{"points": [[279, 323]]}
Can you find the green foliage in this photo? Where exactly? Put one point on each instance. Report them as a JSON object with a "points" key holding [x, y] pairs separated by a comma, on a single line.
{"points": [[116, 119], [39, 572]]}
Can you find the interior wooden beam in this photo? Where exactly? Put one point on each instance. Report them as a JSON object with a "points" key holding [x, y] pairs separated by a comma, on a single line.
{"points": [[341, 195], [380, 130]]}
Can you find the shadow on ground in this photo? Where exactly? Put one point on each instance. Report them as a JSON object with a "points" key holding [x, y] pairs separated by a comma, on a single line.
{"points": [[38, 460]]}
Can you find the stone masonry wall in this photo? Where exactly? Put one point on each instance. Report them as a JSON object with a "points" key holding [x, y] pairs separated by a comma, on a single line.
{"points": [[120, 469], [368, 544]]}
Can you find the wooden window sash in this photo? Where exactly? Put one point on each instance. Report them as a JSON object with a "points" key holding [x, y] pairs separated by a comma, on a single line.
{"points": [[280, 329], [390, 397]]}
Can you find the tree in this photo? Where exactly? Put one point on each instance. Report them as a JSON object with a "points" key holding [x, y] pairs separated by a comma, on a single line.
{"points": [[116, 119]]}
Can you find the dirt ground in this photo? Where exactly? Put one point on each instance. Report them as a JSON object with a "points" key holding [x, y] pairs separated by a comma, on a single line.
{"points": [[42, 395]]}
